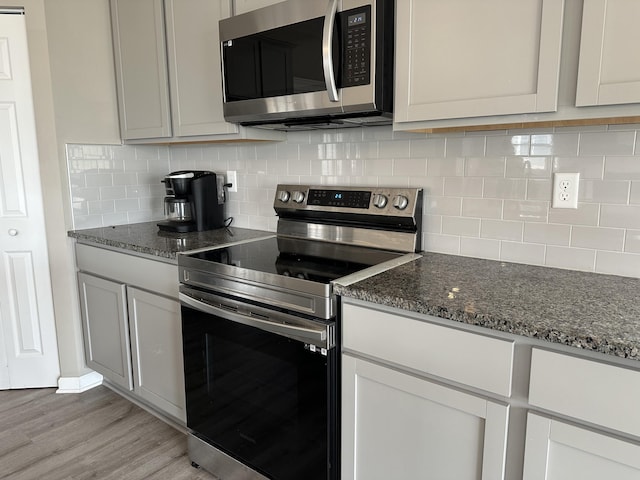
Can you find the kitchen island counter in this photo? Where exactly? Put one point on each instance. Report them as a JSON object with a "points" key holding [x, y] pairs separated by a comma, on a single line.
{"points": [[144, 238], [593, 312]]}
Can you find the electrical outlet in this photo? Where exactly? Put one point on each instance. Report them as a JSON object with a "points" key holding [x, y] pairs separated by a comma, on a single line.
{"points": [[232, 178], [565, 190]]}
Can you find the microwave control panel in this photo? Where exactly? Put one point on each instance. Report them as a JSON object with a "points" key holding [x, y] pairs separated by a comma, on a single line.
{"points": [[356, 45]]}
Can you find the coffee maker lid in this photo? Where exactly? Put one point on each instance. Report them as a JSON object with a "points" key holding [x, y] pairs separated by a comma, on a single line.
{"points": [[188, 174]]}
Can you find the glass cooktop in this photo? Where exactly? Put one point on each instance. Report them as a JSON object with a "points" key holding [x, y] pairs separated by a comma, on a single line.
{"points": [[315, 261]]}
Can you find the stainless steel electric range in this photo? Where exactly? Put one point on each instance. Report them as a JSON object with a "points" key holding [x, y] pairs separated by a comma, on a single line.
{"points": [[261, 329]]}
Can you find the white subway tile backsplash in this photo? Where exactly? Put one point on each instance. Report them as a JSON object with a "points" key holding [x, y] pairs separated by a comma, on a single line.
{"points": [[112, 193], [463, 187], [622, 168], [615, 263], [410, 167], [632, 241], [622, 216], [528, 167], [482, 207], [571, 258], [539, 189], [377, 167], [432, 223], [451, 206], [480, 247], [554, 144], [98, 180], [486, 194], [508, 145], [607, 143], [465, 146], [394, 149], [501, 230], [601, 191], [597, 238], [547, 233], [484, 167], [507, 188], [587, 167], [525, 210], [432, 186], [465, 227], [437, 243], [634, 198], [428, 147], [585, 214], [531, 254], [445, 167]]}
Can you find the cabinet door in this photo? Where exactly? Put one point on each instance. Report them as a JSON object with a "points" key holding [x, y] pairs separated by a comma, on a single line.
{"points": [[463, 58], [141, 68], [156, 346], [106, 329], [609, 69], [557, 451], [193, 44], [395, 425]]}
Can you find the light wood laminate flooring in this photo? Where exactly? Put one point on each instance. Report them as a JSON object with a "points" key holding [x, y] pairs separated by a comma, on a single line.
{"points": [[93, 435]]}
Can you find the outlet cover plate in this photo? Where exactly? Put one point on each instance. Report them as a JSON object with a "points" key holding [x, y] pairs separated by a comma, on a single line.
{"points": [[232, 178], [565, 190]]}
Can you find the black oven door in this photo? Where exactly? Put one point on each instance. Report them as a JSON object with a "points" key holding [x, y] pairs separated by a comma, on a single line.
{"points": [[264, 398]]}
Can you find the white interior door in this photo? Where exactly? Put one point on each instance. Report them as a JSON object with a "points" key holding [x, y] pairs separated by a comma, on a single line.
{"points": [[28, 347]]}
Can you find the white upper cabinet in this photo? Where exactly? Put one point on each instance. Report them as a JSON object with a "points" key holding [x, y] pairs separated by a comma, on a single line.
{"points": [[609, 70], [141, 68], [168, 75], [461, 58], [194, 66]]}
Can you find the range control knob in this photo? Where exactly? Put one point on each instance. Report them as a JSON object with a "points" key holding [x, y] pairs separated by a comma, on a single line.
{"points": [[400, 202], [379, 200], [297, 197], [283, 196]]}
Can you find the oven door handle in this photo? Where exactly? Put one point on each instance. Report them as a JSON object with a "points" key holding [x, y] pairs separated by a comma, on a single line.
{"points": [[320, 336]]}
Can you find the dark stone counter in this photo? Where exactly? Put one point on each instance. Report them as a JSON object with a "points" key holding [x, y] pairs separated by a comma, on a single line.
{"points": [[145, 238], [594, 312]]}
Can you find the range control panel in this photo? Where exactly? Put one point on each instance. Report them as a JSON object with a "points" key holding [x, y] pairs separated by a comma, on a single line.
{"points": [[364, 200], [356, 46]]}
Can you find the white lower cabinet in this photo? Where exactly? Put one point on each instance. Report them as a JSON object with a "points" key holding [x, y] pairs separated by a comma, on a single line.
{"points": [[396, 425], [559, 451], [156, 347], [106, 328], [131, 325]]}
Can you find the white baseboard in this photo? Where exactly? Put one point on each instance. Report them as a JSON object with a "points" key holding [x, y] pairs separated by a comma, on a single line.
{"points": [[79, 384]]}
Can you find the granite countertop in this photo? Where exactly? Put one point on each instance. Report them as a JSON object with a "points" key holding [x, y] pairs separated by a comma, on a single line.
{"points": [[595, 312], [146, 239]]}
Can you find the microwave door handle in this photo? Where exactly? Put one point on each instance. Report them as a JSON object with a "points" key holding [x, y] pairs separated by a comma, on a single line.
{"points": [[327, 51]]}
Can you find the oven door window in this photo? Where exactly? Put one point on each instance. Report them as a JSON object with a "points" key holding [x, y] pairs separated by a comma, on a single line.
{"points": [[258, 397], [277, 62]]}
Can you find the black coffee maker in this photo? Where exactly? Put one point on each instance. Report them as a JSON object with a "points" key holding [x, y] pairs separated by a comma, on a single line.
{"points": [[194, 201]]}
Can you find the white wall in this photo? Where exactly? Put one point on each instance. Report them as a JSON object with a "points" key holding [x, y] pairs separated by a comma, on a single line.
{"points": [[487, 194]]}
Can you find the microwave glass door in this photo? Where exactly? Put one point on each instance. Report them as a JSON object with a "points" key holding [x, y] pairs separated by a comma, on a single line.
{"points": [[277, 62]]}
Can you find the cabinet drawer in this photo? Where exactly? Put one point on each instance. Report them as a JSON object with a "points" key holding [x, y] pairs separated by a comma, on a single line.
{"points": [[155, 276], [603, 394], [468, 358]]}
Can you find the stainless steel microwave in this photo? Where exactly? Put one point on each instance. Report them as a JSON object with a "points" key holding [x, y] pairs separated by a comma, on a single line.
{"points": [[303, 64]]}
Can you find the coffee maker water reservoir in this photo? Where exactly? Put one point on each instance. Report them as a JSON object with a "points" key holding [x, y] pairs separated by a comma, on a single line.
{"points": [[194, 202]]}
